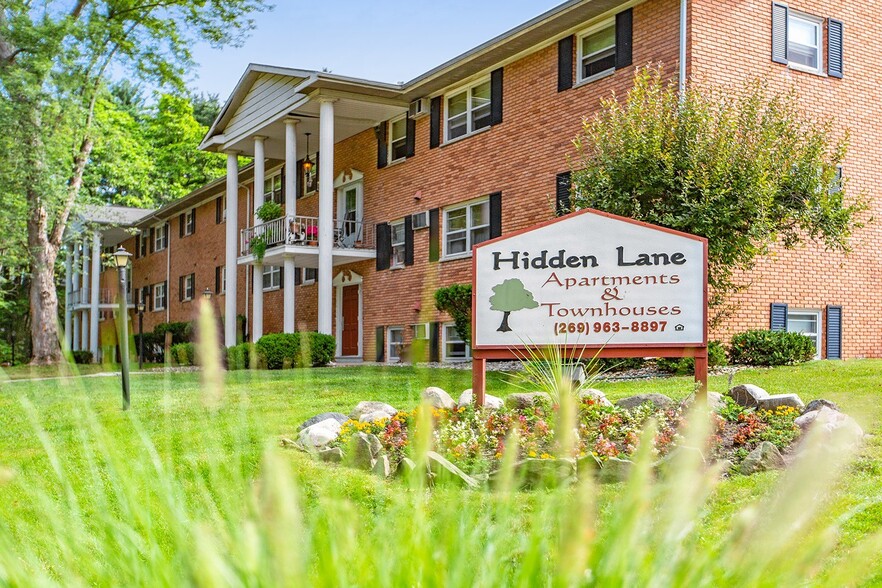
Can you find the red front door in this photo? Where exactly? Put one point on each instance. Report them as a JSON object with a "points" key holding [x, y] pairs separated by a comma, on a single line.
{"points": [[349, 342]]}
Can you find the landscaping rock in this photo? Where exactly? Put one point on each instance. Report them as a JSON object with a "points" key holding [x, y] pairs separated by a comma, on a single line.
{"points": [[382, 467], [338, 416], [466, 398], [715, 401], [438, 398], [369, 406], [680, 456], [331, 455], [763, 458], [660, 401], [818, 404], [444, 472], [588, 463], [317, 436], [372, 417], [595, 395], [406, 467], [363, 451], [831, 421], [773, 402], [527, 399], [545, 473], [748, 395], [615, 470]]}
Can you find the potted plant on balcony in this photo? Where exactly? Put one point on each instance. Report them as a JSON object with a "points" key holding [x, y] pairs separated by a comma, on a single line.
{"points": [[257, 244], [269, 211], [312, 235]]}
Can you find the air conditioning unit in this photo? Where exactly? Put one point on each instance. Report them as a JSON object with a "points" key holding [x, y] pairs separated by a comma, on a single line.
{"points": [[419, 108], [420, 220]]}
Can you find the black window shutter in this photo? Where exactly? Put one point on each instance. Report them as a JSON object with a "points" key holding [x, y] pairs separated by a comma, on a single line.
{"points": [[137, 246], [495, 214], [181, 225], [778, 317], [562, 194], [381, 344], [565, 63], [624, 37], [435, 123], [382, 146], [300, 182], [780, 12], [180, 288], [834, 332], [434, 347], [410, 140], [166, 240], [834, 47], [408, 240], [218, 210], [281, 276], [384, 246], [217, 280], [152, 243], [496, 96], [298, 276], [434, 234]]}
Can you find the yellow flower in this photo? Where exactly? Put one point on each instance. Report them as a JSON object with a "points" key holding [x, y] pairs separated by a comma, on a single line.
{"points": [[532, 454]]}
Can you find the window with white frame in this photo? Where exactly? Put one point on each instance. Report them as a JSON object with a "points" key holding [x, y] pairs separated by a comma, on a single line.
{"points": [[597, 50], [190, 222], [272, 189], [468, 110], [455, 349], [806, 322], [159, 298], [272, 277], [804, 41], [398, 138], [141, 242], [221, 285], [397, 229], [466, 226], [420, 330], [160, 237], [394, 343], [188, 286], [310, 275]]}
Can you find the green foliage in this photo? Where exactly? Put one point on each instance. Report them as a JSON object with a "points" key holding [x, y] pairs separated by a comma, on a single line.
{"points": [[770, 348], [716, 357], [287, 350], [731, 410], [182, 332], [244, 356], [742, 166], [183, 354], [258, 246], [616, 364], [154, 345], [269, 210], [456, 300], [81, 356]]}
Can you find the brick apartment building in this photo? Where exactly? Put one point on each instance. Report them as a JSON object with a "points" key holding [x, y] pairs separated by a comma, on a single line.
{"points": [[386, 187]]}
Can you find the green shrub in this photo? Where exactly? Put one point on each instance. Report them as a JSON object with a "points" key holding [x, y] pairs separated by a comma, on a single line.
{"points": [[284, 350], [616, 364], [183, 354], [243, 356], [456, 300], [770, 348], [81, 356], [268, 211], [153, 347], [684, 366], [181, 332]]}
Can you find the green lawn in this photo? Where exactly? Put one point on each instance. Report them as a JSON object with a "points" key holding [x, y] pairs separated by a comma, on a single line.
{"points": [[46, 427]]}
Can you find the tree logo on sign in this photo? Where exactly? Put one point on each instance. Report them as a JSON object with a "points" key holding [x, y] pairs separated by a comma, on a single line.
{"points": [[508, 297]]}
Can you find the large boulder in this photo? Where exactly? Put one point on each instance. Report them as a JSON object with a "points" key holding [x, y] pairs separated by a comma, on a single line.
{"points": [[338, 416], [522, 400], [406, 467], [369, 406], [438, 398], [545, 473], [763, 458], [318, 435], [467, 398], [615, 470], [659, 401], [331, 455], [681, 456], [818, 404], [382, 467], [594, 394], [832, 422], [372, 417], [444, 472], [715, 401], [364, 449], [588, 463], [773, 402], [748, 395]]}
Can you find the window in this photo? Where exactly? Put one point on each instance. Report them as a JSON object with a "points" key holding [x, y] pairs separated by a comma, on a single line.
{"points": [[597, 51], [398, 138], [465, 227], [310, 275], [190, 222], [420, 330], [394, 343], [272, 189], [455, 349], [806, 322], [309, 181], [160, 238], [272, 277], [141, 244], [804, 34], [468, 110], [220, 279], [188, 286], [397, 229], [159, 296], [220, 209]]}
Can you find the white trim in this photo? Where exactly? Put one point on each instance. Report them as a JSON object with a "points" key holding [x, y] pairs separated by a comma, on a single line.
{"points": [[468, 230], [593, 29], [818, 23], [163, 227], [470, 108], [414, 328], [818, 334], [154, 297], [345, 178], [402, 244], [341, 200], [389, 346], [390, 140], [342, 279], [270, 270], [444, 356]]}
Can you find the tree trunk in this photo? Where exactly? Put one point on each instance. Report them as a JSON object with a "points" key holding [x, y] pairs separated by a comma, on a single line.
{"points": [[504, 328], [43, 296]]}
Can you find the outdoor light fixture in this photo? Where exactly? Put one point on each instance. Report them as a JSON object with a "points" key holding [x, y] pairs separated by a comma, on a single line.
{"points": [[307, 164], [121, 256], [206, 294]]}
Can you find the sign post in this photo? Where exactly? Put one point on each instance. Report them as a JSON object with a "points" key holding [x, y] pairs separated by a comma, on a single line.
{"points": [[592, 283]]}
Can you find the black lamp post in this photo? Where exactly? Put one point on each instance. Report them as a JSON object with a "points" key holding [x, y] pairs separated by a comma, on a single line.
{"points": [[206, 294], [141, 334], [122, 261]]}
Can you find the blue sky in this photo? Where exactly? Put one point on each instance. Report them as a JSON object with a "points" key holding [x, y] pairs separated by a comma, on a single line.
{"points": [[387, 40]]}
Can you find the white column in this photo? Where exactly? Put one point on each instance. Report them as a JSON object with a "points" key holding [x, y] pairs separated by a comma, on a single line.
{"points": [[232, 248], [85, 296], [326, 217], [95, 296], [288, 319], [257, 285], [68, 283], [75, 339]]}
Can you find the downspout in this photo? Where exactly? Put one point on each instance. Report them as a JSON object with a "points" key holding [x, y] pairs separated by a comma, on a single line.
{"points": [[684, 18], [168, 274], [248, 267]]}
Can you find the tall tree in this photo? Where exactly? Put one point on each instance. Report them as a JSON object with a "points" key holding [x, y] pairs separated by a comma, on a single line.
{"points": [[54, 61]]}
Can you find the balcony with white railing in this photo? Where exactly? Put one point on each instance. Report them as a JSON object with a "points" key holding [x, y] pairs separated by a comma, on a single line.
{"points": [[295, 234], [106, 297]]}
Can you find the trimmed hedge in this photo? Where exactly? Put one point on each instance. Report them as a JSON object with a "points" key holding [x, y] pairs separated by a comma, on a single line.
{"points": [[770, 348], [183, 354], [181, 332], [81, 356], [284, 350], [243, 356], [684, 366], [153, 347]]}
